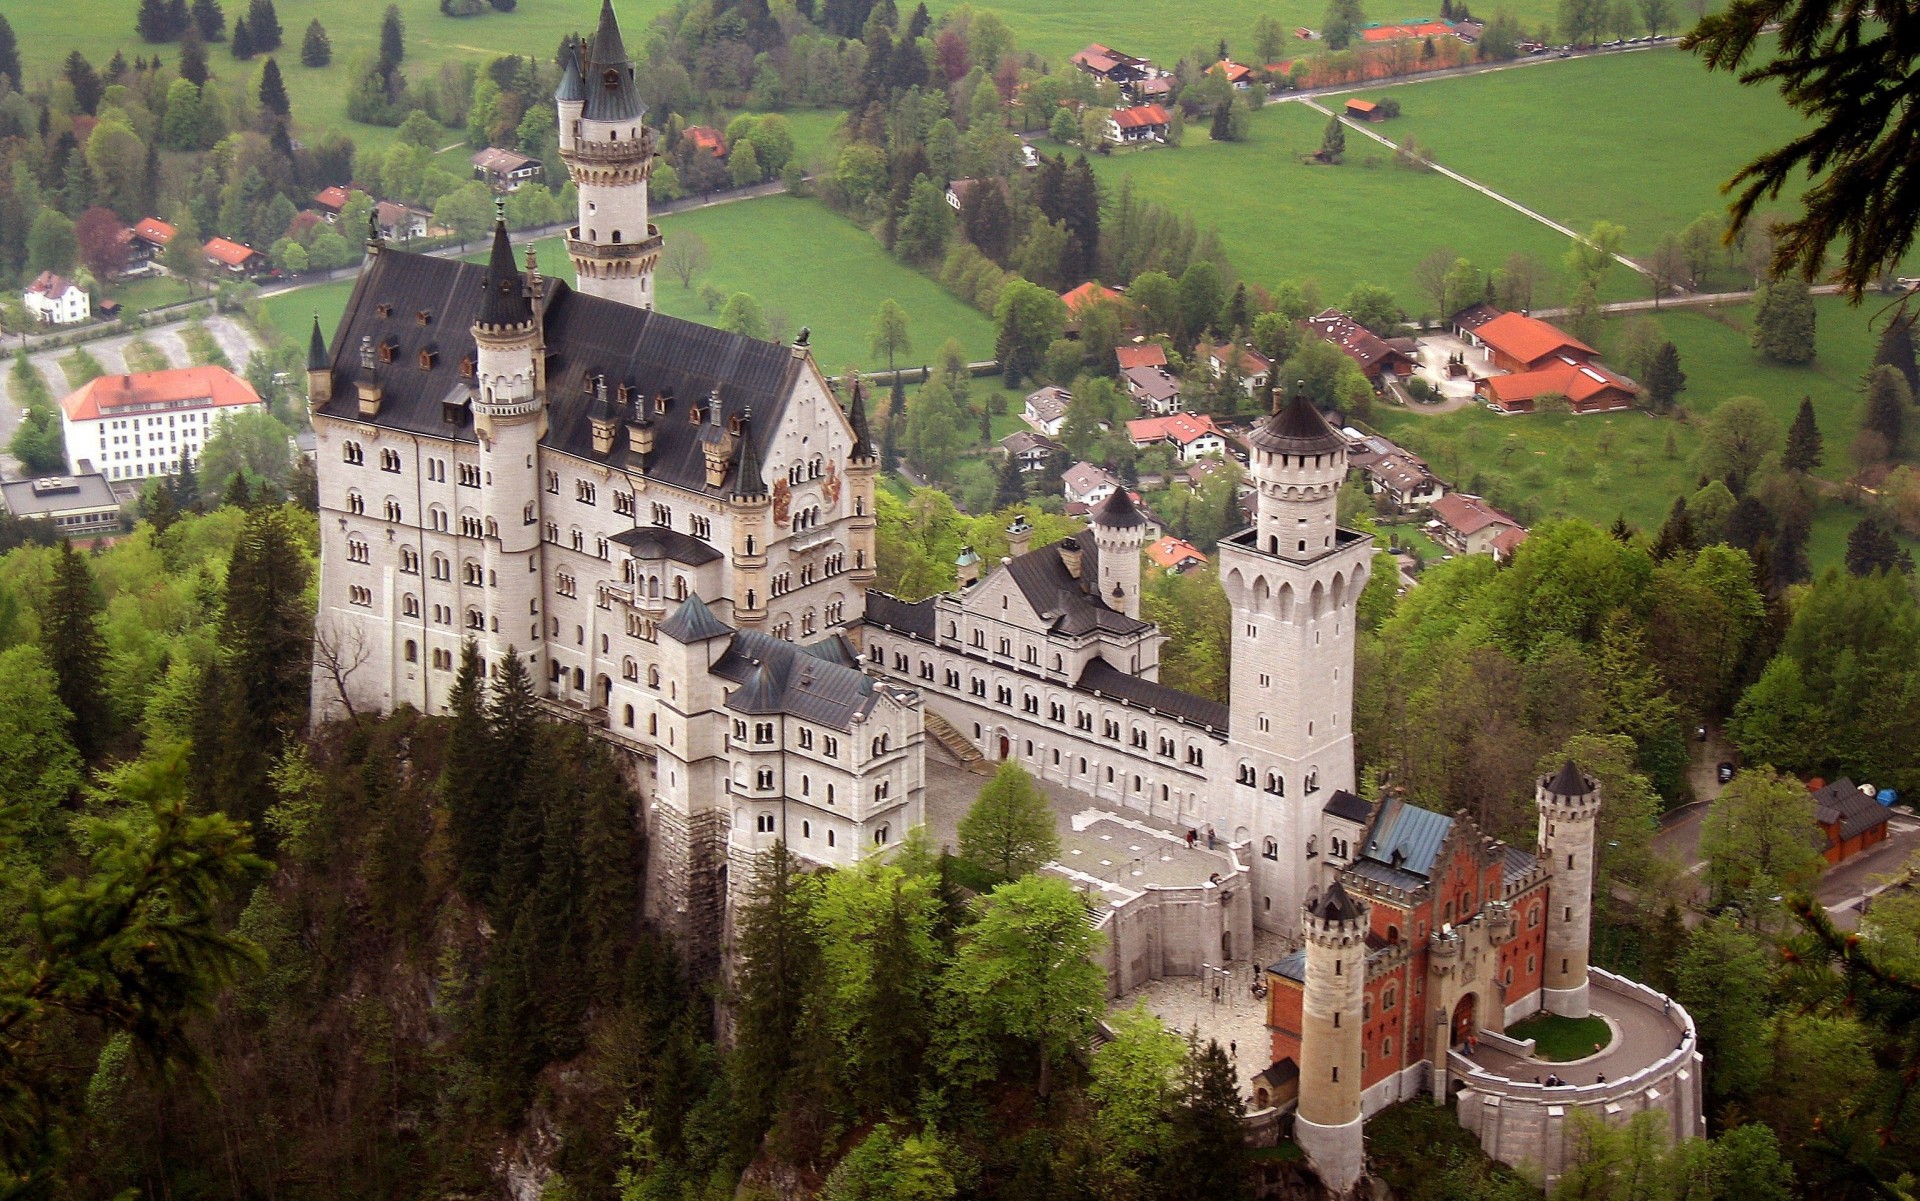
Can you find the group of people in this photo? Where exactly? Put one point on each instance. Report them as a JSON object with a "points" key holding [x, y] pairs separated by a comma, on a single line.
{"points": [[1557, 1082], [1193, 836]]}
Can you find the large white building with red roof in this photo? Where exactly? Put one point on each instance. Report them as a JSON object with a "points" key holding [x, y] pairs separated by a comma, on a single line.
{"points": [[57, 300], [130, 427]]}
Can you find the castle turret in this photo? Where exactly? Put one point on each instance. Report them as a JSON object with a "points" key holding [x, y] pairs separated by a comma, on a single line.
{"points": [[1294, 581], [509, 418], [608, 149], [319, 368], [1569, 804], [1328, 1122], [863, 469], [752, 530], [1120, 531]]}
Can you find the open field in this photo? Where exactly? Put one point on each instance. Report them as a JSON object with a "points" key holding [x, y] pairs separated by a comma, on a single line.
{"points": [[1363, 221], [1598, 467], [788, 253], [1643, 140]]}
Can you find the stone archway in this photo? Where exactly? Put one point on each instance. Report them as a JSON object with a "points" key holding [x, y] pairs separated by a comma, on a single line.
{"points": [[1463, 1020], [1006, 747]]}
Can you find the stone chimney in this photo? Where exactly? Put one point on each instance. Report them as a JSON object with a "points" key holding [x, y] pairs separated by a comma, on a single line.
{"points": [[967, 568], [606, 424], [1070, 556], [367, 382], [1019, 536]]}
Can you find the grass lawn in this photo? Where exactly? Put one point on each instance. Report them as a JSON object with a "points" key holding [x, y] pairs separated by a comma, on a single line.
{"points": [[1557, 1039], [1364, 221], [1598, 467], [139, 295], [789, 253], [1643, 140]]}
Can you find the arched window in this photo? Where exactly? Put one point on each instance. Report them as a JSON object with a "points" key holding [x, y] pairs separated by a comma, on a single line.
{"points": [[1270, 849]]}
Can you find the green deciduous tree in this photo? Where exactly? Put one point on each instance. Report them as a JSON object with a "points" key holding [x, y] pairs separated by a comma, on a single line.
{"points": [[742, 315], [1009, 832], [1783, 322], [1759, 839], [1342, 23], [1723, 977], [1737, 440]]}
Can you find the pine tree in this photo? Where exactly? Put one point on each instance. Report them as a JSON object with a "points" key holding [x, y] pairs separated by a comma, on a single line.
{"points": [[1804, 447], [152, 22], [1334, 143], [1212, 1158], [70, 636], [238, 494], [1676, 536], [116, 67], [1750, 524], [315, 49], [186, 486], [1871, 547], [10, 54], [273, 90], [264, 24], [1896, 351], [464, 788], [85, 80], [777, 963], [1790, 564], [193, 60], [1221, 130], [1783, 322], [1012, 488], [1887, 401], [512, 724], [210, 19], [242, 44], [1665, 381], [393, 43], [178, 19]]}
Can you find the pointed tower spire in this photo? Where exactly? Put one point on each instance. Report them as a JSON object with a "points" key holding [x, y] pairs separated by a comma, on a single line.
{"points": [[857, 418], [506, 302], [569, 90], [317, 348], [750, 482], [613, 94]]}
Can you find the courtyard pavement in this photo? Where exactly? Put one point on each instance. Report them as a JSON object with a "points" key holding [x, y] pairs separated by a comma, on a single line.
{"points": [[1642, 1034]]}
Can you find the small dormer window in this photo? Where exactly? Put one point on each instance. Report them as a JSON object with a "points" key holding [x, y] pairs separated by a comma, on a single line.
{"points": [[423, 317], [383, 310], [663, 401], [427, 357], [611, 79], [697, 414], [466, 366], [387, 347], [733, 424]]}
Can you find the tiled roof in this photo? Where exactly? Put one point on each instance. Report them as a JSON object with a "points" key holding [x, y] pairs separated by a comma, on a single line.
{"points": [[1147, 354], [1181, 428], [1020, 442], [1049, 403], [1359, 343], [233, 254], [1106, 679], [645, 350], [1141, 116], [1527, 339], [1252, 362], [1170, 552], [1399, 472], [1578, 382], [1361, 106], [154, 230], [1475, 315], [48, 284], [1844, 805], [192, 387], [1469, 514], [1410, 832], [1152, 383], [1087, 292], [707, 138], [332, 197], [1507, 541], [493, 158], [778, 677], [1085, 477]]}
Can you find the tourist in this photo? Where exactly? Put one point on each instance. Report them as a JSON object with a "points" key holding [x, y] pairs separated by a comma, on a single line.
{"points": [[1233, 1049], [1600, 1079], [1209, 838], [1192, 837]]}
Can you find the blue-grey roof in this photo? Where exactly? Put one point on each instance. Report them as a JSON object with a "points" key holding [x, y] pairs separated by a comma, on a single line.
{"points": [[570, 89], [1348, 806], [1413, 833], [694, 622], [1293, 967], [1516, 864], [659, 542], [778, 677], [1387, 874]]}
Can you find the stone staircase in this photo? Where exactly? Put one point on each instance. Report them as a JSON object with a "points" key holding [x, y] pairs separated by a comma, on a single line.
{"points": [[956, 744]]}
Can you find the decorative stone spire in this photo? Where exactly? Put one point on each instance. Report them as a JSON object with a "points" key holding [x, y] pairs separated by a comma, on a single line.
{"points": [[316, 348], [857, 418], [506, 301], [750, 481], [613, 94]]}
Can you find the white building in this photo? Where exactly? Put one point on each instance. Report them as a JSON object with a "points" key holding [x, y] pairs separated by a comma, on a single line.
{"points": [[57, 300], [136, 426], [1046, 410]]}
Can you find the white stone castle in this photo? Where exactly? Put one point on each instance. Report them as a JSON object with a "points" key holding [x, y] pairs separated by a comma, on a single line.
{"points": [[674, 527]]}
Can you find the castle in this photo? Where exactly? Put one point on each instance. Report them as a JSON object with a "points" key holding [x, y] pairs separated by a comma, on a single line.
{"points": [[674, 526]]}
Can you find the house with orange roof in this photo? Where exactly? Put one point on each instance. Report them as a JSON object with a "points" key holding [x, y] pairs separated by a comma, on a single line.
{"points": [[1516, 342], [1139, 124], [1588, 387], [707, 138], [141, 425], [1193, 435], [1143, 354], [1468, 525], [331, 201], [1175, 556], [150, 237], [233, 257], [1239, 76], [1087, 293]]}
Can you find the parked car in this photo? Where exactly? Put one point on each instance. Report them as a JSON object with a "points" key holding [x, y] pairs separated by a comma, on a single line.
{"points": [[1725, 772]]}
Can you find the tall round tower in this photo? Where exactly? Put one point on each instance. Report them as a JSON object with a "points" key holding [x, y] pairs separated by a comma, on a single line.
{"points": [[1569, 804], [509, 419], [605, 142], [863, 467], [1327, 1124], [1119, 531]]}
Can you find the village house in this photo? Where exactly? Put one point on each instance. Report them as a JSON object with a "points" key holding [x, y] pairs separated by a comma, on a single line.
{"points": [[1033, 452], [1253, 367], [1111, 66], [330, 202], [1091, 292], [1156, 88], [1154, 388], [1175, 556], [1404, 480], [1193, 435], [150, 238], [57, 300], [1046, 410], [1143, 354], [1540, 360], [505, 170], [1139, 124], [1468, 525], [707, 138], [1362, 110], [1085, 484], [1240, 77], [74, 504], [1850, 818], [1378, 358], [401, 221], [234, 258]]}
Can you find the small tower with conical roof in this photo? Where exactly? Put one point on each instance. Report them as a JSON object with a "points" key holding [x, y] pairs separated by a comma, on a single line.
{"points": [[1120, 531], [1328, 1122], [509, 419], [319, 368], [752, 529], [863, 470], [608, 149], [1569, 803]]}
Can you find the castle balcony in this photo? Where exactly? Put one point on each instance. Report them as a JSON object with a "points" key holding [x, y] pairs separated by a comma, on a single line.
{"points": [[608, 153], [813, 539], [578, 247]]}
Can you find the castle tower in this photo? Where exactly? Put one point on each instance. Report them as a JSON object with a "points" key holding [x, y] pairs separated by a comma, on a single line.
{"points": [[1120, 531], [687, 811], [509, 419], [1569, 803], [319, 368], [605, 142], [1294, 581], [1327, 1124], [863, 468], [752, 529]]}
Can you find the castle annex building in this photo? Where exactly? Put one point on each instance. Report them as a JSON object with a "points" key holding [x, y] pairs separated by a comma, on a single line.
{"points": [[674, 526]]}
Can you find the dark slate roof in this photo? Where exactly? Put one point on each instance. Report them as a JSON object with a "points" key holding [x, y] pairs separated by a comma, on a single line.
{"points": [[1293, 966], [1570, 782], [1298, 429], [857, 418], [316, 348], [618, 98], [1387, 874], [1517, 863], [659, 542], [778, 677], [1844, 805], [1118, 512], [834, 648], [1335, 905], [1346, 805], [694, 622], [507, 302], [570, 89], [912, 617], [1414, 832], [1070, 606], [586, 336], [1103, 677], [749, 481]]}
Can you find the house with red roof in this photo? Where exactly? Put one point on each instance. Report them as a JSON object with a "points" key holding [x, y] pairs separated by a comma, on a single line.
{"points": [[1516, 342], [1143, 354], [1468, 525], [1139, 124], [331, 201], [136, 426], [1175, 556], [1193, 435], [150, 237], [1377, 357], [1086, 294], [233, 257], [1254, 368], [1239, 76], [1588, 387], [707, 138], [1363, 110]]}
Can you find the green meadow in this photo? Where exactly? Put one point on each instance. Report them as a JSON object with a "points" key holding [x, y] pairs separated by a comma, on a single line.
{"points": [[791, 254]]}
